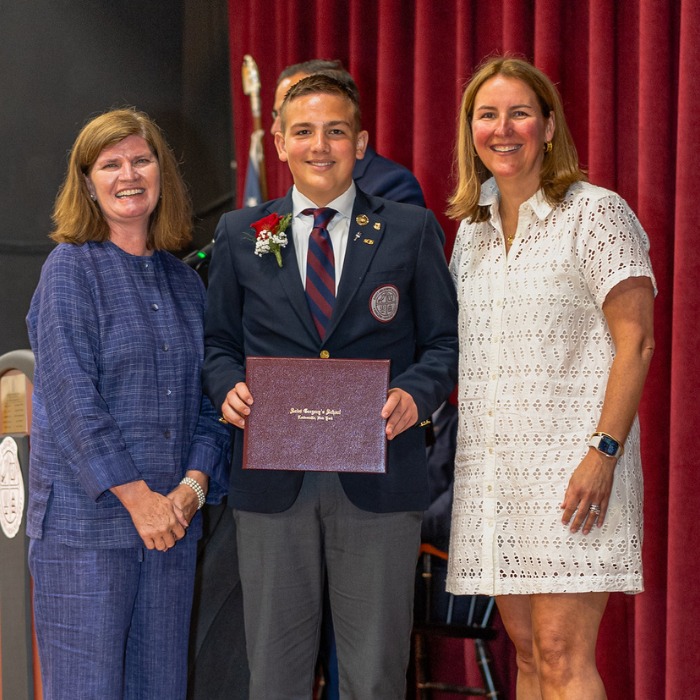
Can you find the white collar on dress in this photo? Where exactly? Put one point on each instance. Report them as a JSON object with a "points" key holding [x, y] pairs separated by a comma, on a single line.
{"points": [[489, 197]]}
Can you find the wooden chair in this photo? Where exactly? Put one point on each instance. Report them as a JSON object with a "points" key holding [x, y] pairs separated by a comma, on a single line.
{"points": [[441, 614]]}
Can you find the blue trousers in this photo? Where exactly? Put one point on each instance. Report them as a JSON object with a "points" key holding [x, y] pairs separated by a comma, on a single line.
{"points": [[112, 623]]}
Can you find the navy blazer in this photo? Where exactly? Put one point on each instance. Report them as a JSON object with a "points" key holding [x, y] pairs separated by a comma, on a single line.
{"points": [[257, 308], [377, 175]]}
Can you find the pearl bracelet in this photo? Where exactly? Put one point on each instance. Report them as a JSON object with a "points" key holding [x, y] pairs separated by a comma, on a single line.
{"points": [[194, 485]]}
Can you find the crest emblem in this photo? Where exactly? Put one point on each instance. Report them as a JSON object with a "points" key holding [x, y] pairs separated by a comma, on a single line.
{"points": [[384, 303], [11, 488]]}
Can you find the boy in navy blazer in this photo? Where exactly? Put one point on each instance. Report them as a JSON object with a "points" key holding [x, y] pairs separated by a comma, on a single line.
{"points": [[363, 529]]}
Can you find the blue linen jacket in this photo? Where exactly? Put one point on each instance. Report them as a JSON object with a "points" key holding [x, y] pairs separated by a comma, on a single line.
{"points": [[118, 346], [257, 308]]}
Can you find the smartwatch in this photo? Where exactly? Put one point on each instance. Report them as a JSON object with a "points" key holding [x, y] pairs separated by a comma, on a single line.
{"points": [[606, 444]]}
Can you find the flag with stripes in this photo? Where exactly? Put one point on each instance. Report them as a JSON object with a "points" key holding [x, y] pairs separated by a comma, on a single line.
{"points": [[252, 192]]}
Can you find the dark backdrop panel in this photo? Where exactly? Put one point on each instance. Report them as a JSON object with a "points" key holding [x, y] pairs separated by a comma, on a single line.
{"points": [[63, 61], [206, 114]]}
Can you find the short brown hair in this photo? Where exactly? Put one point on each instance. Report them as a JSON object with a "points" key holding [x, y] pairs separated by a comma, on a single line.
{"points": [[324, 83], [78, 219], [315, 65], [560, 167]]}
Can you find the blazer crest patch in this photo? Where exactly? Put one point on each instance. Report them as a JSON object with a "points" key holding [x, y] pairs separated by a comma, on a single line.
{"points": [[384, 303]]}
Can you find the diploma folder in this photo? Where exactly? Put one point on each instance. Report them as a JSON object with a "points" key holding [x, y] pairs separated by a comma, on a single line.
{"points": [[316, 414]]}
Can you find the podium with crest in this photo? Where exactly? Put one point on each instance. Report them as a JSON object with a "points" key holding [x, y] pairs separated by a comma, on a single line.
{"points": [[17, 653]]}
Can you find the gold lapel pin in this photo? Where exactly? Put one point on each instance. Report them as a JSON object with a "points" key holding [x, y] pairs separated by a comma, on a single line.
{"points": [[362, 219], [377, 226], [368, 241]]}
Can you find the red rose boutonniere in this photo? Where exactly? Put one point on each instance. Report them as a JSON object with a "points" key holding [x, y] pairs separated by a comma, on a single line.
{"points": [[270, 236]]}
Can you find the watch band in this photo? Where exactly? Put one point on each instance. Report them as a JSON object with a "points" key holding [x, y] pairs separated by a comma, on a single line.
{"points": [[606, 444]]}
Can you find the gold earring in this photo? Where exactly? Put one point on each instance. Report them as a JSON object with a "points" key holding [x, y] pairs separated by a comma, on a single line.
{"points": [[547, 146]]}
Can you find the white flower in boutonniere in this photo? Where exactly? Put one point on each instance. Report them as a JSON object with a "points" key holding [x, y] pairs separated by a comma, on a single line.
{"points": [[270, 236]]}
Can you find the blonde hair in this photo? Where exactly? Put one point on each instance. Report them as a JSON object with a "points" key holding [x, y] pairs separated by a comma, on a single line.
{"points": [[560, 167], [78, 219]]}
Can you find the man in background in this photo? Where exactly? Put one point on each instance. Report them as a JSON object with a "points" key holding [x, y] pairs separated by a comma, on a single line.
{"points": [[374, 174]]}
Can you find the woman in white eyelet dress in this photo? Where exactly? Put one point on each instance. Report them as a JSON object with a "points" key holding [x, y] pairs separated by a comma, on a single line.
{"points": [[555, 292]]}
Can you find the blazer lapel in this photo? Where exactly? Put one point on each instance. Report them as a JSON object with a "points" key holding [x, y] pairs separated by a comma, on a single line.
{"points": [[364, 237]]}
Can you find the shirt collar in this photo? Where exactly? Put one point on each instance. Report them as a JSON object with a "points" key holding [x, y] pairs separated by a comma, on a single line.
{"points": [[343, 204], [489, 197]]}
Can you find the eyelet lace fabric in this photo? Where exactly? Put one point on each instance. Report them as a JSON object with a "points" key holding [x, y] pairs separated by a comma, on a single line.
{"points": [[535, 353]]}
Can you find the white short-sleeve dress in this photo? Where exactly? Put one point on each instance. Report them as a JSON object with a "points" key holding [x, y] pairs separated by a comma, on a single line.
{"points": [[535, 353]]}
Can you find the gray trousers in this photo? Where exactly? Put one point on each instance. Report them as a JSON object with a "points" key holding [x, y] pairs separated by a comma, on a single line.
{"points": [[370, 559]]}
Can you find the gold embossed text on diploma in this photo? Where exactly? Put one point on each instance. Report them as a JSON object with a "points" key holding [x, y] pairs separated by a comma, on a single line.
{"points": [[316, 414]]}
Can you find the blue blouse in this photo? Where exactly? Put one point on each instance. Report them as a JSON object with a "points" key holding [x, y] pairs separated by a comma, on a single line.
{"points": [[117, 340]]}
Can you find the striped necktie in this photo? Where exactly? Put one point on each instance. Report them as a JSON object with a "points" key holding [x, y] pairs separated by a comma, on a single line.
{"points": [[320, 269]]}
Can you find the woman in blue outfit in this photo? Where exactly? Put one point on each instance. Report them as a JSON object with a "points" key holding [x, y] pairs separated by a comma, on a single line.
{"points": [[125, 448]]}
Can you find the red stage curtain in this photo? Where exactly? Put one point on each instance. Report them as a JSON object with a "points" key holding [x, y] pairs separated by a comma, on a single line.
{"points": [[627, 72]]}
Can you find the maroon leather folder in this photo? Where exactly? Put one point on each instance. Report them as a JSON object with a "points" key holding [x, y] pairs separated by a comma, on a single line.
{"points": [[316, 414]]}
